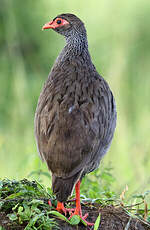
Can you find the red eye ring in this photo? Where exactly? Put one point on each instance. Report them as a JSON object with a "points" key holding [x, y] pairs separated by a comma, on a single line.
{"points": [[58, 21], [55, 23]]}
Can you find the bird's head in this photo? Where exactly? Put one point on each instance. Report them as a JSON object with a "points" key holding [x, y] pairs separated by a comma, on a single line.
{"points": [[67, 25]]}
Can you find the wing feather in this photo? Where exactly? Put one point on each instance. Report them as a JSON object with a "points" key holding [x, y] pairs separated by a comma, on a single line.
{"points": [[74, 121]]}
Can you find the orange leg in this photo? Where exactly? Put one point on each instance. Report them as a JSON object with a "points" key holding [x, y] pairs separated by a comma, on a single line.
{"points": [[78, 210], [60, 208], [75, 211]]}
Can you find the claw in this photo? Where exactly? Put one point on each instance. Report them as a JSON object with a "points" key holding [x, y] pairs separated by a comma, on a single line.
{"points": [[82, 217], [60, 208]]}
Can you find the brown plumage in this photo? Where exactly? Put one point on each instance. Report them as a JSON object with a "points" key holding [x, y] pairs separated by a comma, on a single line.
{"points": [[76, 115]]}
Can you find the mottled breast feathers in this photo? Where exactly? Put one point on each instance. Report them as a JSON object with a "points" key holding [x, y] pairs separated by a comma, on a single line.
{"points": [[75, 119]]}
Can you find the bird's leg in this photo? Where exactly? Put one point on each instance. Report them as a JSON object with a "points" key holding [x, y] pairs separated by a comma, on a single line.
{"points": [[75, 211], [78, 210]]}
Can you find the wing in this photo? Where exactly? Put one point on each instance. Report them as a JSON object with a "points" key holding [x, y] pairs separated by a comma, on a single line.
{"points": [[73, 122], [104, 123]]}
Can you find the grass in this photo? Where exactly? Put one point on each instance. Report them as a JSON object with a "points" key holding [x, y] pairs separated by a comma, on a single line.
{"points": [[23, 201], [26, 204]]}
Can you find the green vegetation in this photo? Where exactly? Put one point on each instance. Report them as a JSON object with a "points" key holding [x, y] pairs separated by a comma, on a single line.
{"points": [[25, 203], [118, 34]]}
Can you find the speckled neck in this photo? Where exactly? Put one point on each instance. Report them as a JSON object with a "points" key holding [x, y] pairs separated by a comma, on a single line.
{"points": [[76, 45]]}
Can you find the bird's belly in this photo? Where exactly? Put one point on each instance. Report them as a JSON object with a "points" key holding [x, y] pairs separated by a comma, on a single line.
{"points": [[68, 146]]}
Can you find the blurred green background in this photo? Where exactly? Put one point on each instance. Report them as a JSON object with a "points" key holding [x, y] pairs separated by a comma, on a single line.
{"points": [[119, 43]]}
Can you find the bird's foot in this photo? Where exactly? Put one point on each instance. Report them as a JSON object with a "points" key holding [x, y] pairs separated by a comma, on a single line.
{"points": [[72, 211], [79, 213], [60, 208]]}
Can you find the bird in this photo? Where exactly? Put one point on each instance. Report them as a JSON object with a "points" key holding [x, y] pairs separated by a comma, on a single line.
{"points": [[75, 118]]}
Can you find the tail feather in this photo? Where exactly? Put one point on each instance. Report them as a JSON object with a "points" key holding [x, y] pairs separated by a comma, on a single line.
{"points": [[62, 187]]}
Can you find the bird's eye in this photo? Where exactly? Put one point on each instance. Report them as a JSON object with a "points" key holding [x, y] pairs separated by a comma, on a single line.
{"points": [[58, 21]]}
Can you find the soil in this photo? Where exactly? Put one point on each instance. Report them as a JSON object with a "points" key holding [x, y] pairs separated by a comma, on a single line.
{"points": [[112, 218]]}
